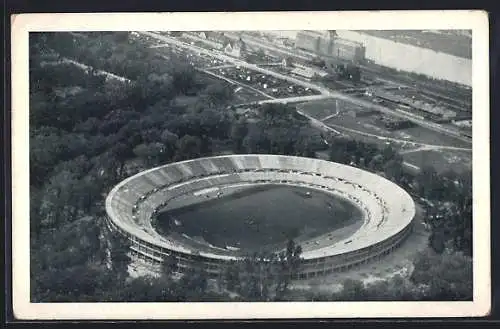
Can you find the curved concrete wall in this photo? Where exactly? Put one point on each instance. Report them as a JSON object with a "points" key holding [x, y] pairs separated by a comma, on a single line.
{"points": [[388, 210]]}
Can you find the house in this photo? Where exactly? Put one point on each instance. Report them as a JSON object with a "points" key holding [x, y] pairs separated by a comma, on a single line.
{"points": [[217, 39], [287, 62], [235, 49]]}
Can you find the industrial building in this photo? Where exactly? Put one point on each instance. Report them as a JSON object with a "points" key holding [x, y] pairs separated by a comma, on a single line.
{"points": [[431, 111], [327, 43], [349, 50]]}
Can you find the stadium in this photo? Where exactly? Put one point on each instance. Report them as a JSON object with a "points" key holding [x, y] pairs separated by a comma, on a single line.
{"points": [[385, 210]]}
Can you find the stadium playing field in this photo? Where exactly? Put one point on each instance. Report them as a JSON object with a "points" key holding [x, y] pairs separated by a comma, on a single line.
{"points": [[260, 218]]}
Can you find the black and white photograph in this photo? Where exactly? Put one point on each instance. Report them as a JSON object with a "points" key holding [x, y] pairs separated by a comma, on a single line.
{"points": [[251, 169]]}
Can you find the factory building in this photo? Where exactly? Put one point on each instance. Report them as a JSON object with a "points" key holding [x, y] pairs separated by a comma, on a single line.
{"points": [[308, 40], [349, 50], [327, 43], [430, 110]]}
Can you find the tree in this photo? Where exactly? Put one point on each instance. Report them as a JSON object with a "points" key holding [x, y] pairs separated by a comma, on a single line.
{"points": [[152, 154], [169, 139], [169, 266], [57, 204], [352, 290], [194, 282], [121, 36], [232, 276], [393, 169], [214, 123], [427, 182], [188, 147], [252, 143], [218, 94], [46, 149], [289, 264], [119, 252], [183, 78], [446, 276], [339, 151], [238, 132]]}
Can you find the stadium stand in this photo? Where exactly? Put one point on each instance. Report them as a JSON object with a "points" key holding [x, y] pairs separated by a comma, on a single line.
{"points": [[387, 209]]}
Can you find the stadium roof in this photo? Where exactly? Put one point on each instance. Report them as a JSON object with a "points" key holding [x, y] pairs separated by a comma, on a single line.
{"points": [[388, 208]]}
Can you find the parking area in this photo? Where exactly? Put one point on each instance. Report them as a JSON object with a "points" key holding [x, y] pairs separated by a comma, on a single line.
{"points": [[268, 84]]}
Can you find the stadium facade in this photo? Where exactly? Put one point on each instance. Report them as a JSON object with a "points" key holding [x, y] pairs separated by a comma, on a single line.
{"points": [[388, 210]]}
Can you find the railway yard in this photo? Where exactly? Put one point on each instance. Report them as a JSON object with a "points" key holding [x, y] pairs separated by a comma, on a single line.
{"points": [[415, 116], [233, 152]]}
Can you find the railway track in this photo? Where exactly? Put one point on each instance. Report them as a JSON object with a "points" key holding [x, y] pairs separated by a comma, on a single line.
{"points": [[323, 90], [457, 98]]}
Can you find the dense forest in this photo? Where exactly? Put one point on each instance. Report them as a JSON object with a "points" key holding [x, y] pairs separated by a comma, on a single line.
{"points": [[89, 130]]}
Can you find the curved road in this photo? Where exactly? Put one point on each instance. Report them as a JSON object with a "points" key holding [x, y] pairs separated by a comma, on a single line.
{"points": [[314, 121], [322, 90], [396, 140]]}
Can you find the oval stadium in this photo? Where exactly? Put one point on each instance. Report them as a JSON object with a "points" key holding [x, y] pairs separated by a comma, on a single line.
{"points": [[217, 209]]}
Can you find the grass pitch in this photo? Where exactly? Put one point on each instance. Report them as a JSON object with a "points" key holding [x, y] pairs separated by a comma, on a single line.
{"points": [[260, 218]]}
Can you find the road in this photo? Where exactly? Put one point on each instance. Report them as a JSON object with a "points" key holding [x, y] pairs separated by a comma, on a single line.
{"points": [[108, 75], [299, 99], [419, 149], [296, 99], [224, 57], [318, 124], [266, 45], [423, 146], [331, 127], [306, 55], [322, 90], [237, 83]]}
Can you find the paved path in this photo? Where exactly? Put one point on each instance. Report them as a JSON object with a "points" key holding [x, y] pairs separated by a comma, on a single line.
{"points": [[397, 140], [331, 115], [108, 75], [316, 122], [419, 149], [296, 99], [237, 83], [221, 67], [239, 62], [322, 90], [227, 66]]}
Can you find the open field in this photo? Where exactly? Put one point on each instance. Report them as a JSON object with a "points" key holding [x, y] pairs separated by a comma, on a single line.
{"points": [[441, 160], [370, 125], [368, 129], [324, 109], [262, 218], [245, 95]]}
